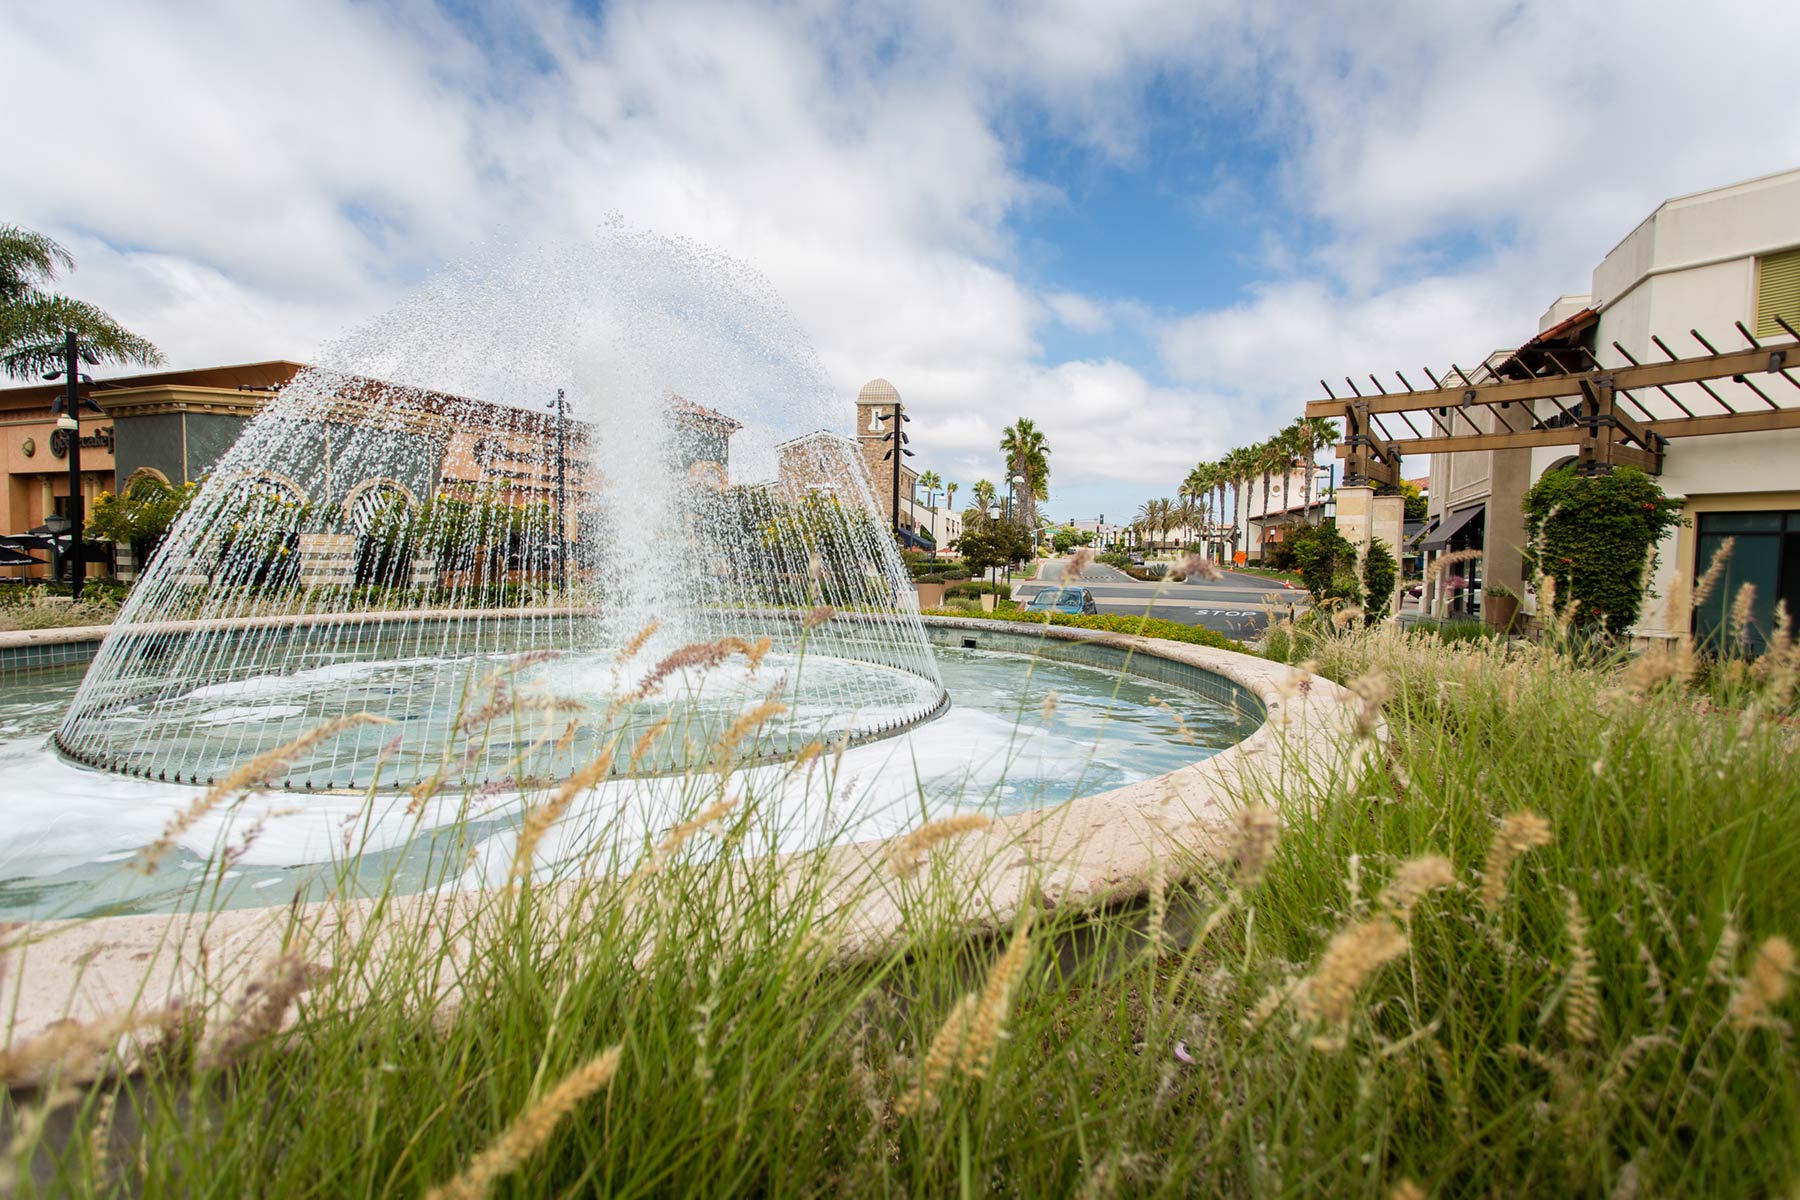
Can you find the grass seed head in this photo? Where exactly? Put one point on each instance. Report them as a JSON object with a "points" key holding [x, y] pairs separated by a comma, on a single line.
{"points": [[1518, 832], [1581, 1000], [252, 774], [1257, 829], [905, 855], [1416, 879], [528, 1133], [1764, 987], [1350, 961]]}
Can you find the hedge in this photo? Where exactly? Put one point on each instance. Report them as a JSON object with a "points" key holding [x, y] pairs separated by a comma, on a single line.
{"points": [[1168, 631]]}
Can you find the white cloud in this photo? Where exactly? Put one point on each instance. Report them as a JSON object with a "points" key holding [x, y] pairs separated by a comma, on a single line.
{"points": [[251, 179]]}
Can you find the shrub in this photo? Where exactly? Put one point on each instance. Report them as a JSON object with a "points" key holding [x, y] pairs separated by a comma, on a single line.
{"points": [[1114, 559], [1596, 536], [1326, 562], [1169, 631], [975, 589], [1378, 571]]}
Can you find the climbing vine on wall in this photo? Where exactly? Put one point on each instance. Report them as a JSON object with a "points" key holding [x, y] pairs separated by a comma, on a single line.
{"points": [[1596, 536]]}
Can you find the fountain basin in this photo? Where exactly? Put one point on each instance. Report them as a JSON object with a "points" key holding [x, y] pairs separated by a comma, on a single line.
{"points": [[1093, 849]]}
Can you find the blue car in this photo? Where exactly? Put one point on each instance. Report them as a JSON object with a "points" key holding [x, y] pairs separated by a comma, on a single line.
{"points": [[1075, 601]]}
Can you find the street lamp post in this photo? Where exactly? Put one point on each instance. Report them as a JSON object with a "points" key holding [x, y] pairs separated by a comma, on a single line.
{"points": [[898, 436], [67, 411], [562, 520]]}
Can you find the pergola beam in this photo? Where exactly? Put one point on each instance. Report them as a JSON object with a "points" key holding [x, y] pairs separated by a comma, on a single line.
{"points": [[1758, 361]]}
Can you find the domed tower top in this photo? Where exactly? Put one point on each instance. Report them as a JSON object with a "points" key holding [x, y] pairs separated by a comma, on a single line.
{"points": [[877, 391], [877, 398]]}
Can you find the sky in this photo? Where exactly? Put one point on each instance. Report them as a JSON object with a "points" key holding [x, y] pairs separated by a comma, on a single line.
{"points": [[1149, 226]]}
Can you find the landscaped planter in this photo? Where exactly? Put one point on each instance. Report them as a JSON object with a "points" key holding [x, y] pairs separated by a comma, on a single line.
{"points": [[931, 595]]}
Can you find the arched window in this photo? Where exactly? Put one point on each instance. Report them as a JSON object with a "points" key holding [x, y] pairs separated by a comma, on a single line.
{"points": [[369, 499]]}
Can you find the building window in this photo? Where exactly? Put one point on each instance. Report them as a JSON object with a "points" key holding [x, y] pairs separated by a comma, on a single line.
{"points": [[1765, 554], [1777, 292]]}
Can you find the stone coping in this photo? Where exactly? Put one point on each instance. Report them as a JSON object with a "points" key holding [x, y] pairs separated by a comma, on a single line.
{"points": [[1093, 850]]}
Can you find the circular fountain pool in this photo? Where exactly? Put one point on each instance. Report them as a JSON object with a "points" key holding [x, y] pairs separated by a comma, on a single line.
{"points": [[1025, 730]]}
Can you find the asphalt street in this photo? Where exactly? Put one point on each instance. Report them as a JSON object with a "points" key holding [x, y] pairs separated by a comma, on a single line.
{"points": [[1236, 605]]}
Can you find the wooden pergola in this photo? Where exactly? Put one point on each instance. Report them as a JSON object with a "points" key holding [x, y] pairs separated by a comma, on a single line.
{"points": [[1553, 391]]}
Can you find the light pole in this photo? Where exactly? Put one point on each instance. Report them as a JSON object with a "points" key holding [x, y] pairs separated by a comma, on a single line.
{"points": [[898, 436], [562, 459], [67, 411], [993, 512]]}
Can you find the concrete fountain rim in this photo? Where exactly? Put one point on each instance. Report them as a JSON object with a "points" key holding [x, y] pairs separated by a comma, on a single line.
{"points": [[1091, 851]]}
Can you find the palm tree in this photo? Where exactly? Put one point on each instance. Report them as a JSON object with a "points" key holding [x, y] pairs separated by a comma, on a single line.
{"points": [[1311, 435], [1242, 465], [985, 495], [1274, 455], [931, 483], [950, 496], [1028, 457], [33, 321]]}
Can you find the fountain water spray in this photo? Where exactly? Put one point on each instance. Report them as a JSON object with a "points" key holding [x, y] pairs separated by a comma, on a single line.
{"points": [[410, 529]]}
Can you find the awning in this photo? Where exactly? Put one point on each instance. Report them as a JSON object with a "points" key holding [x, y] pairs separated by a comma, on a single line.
{"points": [[16, 558], [1451, 526]]}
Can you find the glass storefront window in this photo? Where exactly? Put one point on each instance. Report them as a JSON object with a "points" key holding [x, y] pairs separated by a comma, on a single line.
{"points": [[1766, 556]]}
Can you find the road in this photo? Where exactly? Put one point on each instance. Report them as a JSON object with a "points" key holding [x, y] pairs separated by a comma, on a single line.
{"points": [[1237, 605]]}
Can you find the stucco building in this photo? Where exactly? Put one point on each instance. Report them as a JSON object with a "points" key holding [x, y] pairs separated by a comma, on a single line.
{"points": [[1705, 262]]}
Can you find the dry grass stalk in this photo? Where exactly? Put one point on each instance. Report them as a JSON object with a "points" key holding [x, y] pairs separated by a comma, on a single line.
{"points": [[1743, 609], [1257, 829], [1346, 616], [1581, 1002], [1181, 725], [1048, 708], [1719, 968], [1764, 987], [817, 617], [1157, 922], [649, 738], [1350, 961], [504, 704], [1518, 832], [1416, 879], [1371, 693], [638, 640], [99, 1138], [906, 854], [76, 1045], [543, 817], [1703, 587], [941, 1057], [1442, 565], [1654, 988], [725, 749], [987, 1026], [681, 834], [700, 656], [261, 1010], [252, 774], [1663, 664], [1198, 566], [1406, 1189], [528, 1133]]}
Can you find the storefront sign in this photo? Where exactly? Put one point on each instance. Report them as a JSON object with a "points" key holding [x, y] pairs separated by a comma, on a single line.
{"points": [[100, 440]]}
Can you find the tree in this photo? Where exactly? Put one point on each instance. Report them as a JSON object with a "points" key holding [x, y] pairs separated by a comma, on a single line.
{"points": [[1378, 571], [931, 483], [990, 544], [950, 496], [1596, 536], [1327, 563], [33, 320], [1028, 457], [1416, 504], [985, 495], [1309, 435], [140, 515]]}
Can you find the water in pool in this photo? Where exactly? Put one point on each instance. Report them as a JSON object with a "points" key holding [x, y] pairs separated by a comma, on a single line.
{"points": [[69, 836]]}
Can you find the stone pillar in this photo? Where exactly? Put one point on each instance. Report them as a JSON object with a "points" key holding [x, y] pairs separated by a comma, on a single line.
{"points": [[1387, 525], [1355, 510]]}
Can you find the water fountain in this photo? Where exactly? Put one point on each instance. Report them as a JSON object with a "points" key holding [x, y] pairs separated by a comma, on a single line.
{"points": [[507, 518]]}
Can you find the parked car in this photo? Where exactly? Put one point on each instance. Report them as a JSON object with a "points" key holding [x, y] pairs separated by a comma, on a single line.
{"points": [[1075, 601], [1137, 558]]}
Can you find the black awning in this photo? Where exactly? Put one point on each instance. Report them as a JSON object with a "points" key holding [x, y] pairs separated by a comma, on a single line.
{"points": [[16, 558], [1451, 526]]}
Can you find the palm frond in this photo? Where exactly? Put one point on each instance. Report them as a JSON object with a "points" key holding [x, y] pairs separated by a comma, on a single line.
{"points": [[31, 335]]}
